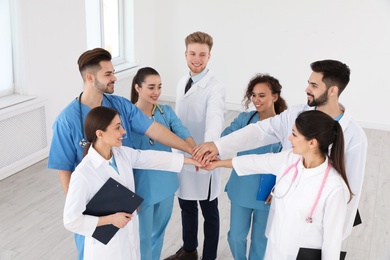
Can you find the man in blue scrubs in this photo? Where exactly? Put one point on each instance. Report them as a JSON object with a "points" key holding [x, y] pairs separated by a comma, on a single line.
{"points": [[68, 140]]}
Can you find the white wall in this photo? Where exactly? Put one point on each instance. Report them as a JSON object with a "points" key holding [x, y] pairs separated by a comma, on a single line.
{"points": [[282, 38], [50, 36], [278, 37]]}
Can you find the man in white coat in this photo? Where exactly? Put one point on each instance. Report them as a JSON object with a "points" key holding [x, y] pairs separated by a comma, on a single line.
{"points": [[200, 105], [327, 81]]}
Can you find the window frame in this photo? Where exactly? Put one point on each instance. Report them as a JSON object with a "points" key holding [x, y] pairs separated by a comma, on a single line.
{"points": [[95, 34], [7, 81]]}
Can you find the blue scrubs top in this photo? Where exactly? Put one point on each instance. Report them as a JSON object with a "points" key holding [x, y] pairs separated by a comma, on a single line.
{"points": [[155, 186], [66, 152], [242, 190]]}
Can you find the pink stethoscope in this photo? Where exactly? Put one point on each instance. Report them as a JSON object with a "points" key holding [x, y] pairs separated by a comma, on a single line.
{"points": [[294, 165]]}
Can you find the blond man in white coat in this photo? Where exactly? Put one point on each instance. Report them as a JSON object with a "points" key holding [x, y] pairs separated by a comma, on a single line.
{"points": [[200, 105]]}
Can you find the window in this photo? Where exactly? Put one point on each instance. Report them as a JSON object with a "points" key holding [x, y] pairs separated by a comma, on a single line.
{"points": [[115, 32], [6, 63]]}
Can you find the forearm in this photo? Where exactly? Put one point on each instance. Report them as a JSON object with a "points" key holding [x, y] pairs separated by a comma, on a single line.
{"points": [[104, 220], [238, 141], [220, 163], [119, 219], [64, 179], [190, 141], [163, 135]]}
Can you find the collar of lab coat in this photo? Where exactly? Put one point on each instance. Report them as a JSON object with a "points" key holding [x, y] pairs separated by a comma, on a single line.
{"points": [[96, 159], [320, 169], [345, 119]]}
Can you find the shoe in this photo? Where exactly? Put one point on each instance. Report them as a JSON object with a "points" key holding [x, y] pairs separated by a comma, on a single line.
{"points": [[183, 255]]}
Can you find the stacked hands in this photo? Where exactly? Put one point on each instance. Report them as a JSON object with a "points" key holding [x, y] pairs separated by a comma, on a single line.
{"points": [[204, 156]]}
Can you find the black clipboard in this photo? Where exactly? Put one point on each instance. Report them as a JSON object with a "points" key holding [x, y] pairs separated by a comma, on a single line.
{"points": [[314, 254], [112, 197]]}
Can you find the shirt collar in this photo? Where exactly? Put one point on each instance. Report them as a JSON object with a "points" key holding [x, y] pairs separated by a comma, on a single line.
{"points": [[198, 77]]}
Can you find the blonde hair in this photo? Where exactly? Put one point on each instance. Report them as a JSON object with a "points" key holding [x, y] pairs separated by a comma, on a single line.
{"points": [[199, 37]]}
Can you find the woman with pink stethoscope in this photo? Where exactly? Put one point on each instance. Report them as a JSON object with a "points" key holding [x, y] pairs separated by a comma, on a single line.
{"points": [[311, 191]]}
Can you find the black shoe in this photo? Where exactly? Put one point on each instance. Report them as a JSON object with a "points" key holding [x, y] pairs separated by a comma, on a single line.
{"points": [[183, 255]]}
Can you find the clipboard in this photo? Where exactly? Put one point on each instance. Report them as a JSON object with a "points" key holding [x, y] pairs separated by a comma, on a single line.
{"points": [[112, 197], [314, 254]]}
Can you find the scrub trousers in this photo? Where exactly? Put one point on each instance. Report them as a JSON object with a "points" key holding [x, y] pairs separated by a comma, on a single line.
{"points": [[153, 221], [189, 217], [79, 240], [241, 219]]}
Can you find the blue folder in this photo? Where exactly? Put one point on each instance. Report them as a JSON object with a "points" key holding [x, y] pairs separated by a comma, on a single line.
{"points": [[266, 183]]}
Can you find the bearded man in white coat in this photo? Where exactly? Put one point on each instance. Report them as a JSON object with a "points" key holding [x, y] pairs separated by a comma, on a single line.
{"points": [[327, 81], [200, 105]]}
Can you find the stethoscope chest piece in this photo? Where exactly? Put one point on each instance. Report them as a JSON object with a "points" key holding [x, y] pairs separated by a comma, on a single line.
{"points": [[83, 143], [309, 220]]}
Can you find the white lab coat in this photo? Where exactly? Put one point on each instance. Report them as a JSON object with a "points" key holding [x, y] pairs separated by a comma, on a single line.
{"points": [[202, 110], [287, 229], [89, 177], [279, 127]]}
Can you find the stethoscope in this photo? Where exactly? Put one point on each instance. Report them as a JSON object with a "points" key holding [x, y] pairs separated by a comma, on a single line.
{"points": [[83, 142], [151, 141], [294, 165]]}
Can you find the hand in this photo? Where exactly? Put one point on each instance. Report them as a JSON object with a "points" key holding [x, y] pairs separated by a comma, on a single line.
{"points": [[193, 162], [206, 152], [120, 219], [269, 199], [211, 165]]}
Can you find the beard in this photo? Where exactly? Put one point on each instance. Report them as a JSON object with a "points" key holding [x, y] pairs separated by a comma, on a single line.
{"points": [[102, 88], [321, 100]]}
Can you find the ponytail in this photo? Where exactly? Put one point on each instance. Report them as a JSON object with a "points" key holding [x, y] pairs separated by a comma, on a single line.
{"points": [[86, 148], [314, 124], [337, 154], [133, 92], [280, 105]]}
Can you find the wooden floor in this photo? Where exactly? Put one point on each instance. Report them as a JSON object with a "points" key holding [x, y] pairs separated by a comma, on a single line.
{"points": [[31, 204]]}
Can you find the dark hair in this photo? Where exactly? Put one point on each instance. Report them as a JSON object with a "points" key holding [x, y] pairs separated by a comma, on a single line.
{"points": [[199, 37], [335, 73], [91, 60], [138, 79], [273, 84], [99, 118], [314, 124]]}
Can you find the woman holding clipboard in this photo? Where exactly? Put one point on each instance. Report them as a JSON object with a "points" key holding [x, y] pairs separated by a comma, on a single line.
{"points": [[105, 158]]}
